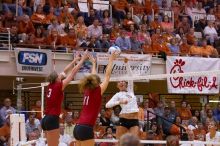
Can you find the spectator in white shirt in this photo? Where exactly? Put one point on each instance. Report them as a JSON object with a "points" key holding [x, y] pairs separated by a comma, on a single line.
{"points": [[210, 33], [68, 125], [193, 123], [213, 135], [6, 108], [191, 137], [32, 123], [64, 138]]}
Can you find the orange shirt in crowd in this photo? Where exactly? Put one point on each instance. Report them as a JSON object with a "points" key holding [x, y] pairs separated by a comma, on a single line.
{"points": [[137, 8], [195, 50], [49, 17], [147, 49], [50, 39], [141, 114], [26, 27], [120, 4], [175, 130], [184, 113], [190, 39], [63, 16], [38, 114], [69, 40], [198, 133], [99, 131], [81, 29], [38, 18], [5, 131], [154, 25], [184, 48], [208, 50]]}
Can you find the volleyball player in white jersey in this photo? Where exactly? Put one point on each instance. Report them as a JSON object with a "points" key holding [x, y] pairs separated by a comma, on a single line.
{"points": [[128, 102]]}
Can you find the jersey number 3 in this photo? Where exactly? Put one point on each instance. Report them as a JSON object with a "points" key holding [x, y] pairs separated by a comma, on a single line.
{"points": [[49, 93], [86, 100]]}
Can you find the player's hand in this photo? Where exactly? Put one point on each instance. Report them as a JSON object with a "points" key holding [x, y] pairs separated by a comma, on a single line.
{"points": [[114, 55], [77, 57], [85, 55], [92, 59], [123, 101]]}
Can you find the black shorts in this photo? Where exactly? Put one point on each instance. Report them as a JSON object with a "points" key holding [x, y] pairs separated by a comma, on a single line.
{"points": [[83, 132], [128, 123], [50, 122]]}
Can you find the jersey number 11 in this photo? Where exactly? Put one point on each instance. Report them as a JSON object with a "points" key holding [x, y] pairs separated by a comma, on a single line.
{"points": [[86, 100]]}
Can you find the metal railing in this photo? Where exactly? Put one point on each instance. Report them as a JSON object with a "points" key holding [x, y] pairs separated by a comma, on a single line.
{"points": [[5, 40]]}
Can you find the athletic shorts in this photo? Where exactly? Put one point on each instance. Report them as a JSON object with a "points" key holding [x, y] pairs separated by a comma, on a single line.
{"points": [[83, 132], [128, 123], [50, 122]]}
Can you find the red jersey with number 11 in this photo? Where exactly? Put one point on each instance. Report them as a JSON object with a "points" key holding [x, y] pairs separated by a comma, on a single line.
{"points": [[91, 106], [54, 99]]}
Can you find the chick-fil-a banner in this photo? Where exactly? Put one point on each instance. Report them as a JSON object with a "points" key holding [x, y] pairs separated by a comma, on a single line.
{"points": [[192, 84]]}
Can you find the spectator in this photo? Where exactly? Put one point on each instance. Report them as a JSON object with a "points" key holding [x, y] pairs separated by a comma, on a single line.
{"points": [[166, 24], [147, 47], [129, 140], [208, 50], [115, 115], [148, 113], [75, 116], [177, 127], [54, 38], [104, 121], [32, 123], [193, 123], [80, 27], [106, 22], [203, 113], [172, 141], [55, 26], [6, 108], [115, 33], [123, 42], [37, 107], [167, 121], [200, 132], [216, 112], [143, 34], [110, 137], [38, 37], [128, 21], [210, 116], [64, 137], [38, 18], [65, 15], [5, 129], [34, 136], [159, 110], [105, 44], [184, 112], [174, 48], [68, 126], [213, 135], [108, 130], [184, 24], [99, 130], [70, 40], [135, 43], [197, 115], [92, 17], [25, 26], [184, 47], [156, 23], [173, 109], [210, 33], [119, 7], [190, 36], [50, 16]]}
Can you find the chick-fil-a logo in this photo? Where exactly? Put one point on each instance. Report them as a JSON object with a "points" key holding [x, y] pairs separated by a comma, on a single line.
{"points": [[200, 82]]}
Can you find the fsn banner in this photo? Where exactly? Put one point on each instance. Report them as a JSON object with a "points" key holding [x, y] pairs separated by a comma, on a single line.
{"points": [[202, 84], [33, 61]]}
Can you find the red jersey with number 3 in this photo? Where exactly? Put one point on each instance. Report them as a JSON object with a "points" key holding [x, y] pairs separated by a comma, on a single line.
{"points": [[54, 99], [91, 106]]}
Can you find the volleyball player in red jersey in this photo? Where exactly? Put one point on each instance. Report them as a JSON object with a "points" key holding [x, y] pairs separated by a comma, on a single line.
{"points": [[92, 90], [54, 99]]}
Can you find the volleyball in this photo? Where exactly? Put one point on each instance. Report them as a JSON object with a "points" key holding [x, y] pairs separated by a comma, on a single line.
{"points": [[113, 49]]}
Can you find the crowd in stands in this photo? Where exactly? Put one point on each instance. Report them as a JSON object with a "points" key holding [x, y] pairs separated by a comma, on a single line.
{"points": [[146, 26], [157, 121]]}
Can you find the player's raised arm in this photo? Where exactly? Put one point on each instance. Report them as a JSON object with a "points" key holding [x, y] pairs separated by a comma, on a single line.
{"points": [[104, 84], [93, 61], [70, 77], [69, 67]]}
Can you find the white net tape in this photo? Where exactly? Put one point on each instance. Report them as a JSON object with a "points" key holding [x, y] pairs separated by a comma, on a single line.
{"points": [[141, 141]]}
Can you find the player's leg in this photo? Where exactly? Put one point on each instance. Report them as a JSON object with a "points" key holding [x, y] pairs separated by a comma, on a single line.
{"points": [[134, 130], [120, 130], [53, 137], [90, 142], [84, 135]]}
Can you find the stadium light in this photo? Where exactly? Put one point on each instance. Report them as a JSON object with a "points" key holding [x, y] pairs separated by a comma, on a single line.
{"points": [[214, 101]]}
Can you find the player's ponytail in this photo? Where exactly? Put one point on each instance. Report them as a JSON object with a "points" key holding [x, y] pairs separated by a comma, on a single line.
{"points": [[89, 82], [52, 77]]}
